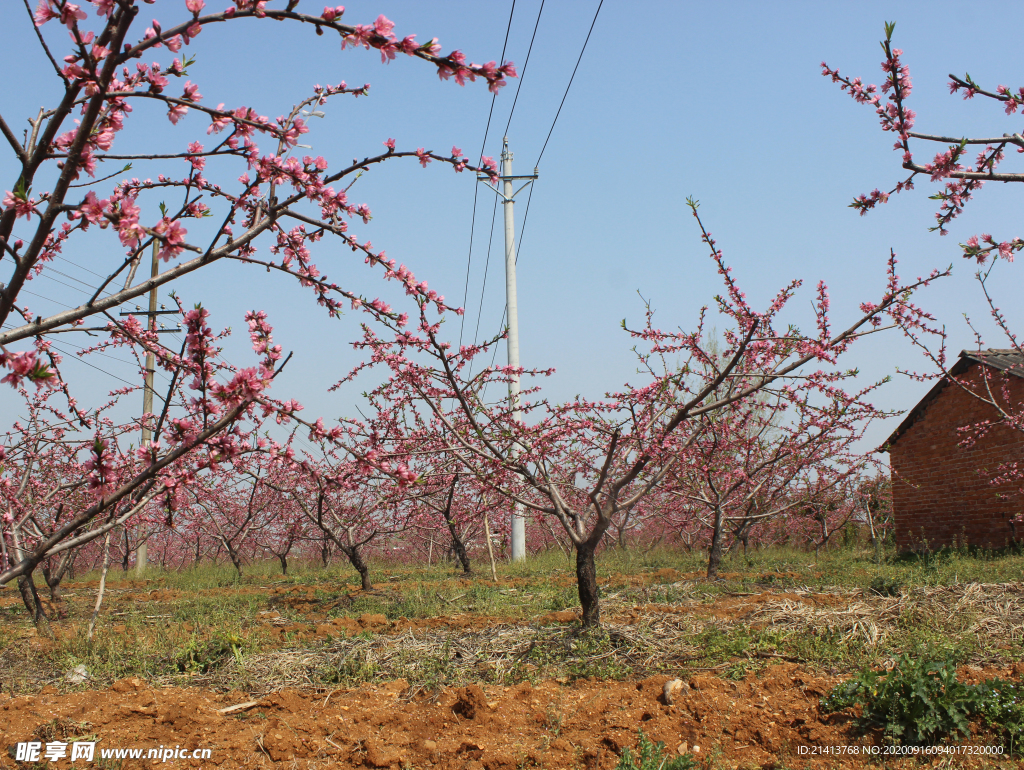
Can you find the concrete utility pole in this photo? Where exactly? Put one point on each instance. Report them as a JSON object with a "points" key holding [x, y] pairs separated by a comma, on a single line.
{"points": [[508, 201], [147, 391]]}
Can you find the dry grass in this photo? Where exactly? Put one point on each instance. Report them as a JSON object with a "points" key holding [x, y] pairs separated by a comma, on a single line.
{"points": [[992, 613], [434, 658]]}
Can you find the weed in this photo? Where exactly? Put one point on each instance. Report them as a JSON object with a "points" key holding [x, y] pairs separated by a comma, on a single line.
{"points": [[651, 756], [885, 586], [198, 656], [921, 701], [1001, 704]]}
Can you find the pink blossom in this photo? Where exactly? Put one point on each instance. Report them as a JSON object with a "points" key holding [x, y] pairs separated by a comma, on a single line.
{"points": [[195, 6], [44, 12], [172, 235], [383, 26], [23, 205], [25, 365], [244, 386], [191, 92], [104, 7], [219, 123], [198, 162], [390, 144], [423, 157], [70, 14], [93, 209], [330, 14], [176, 112]]}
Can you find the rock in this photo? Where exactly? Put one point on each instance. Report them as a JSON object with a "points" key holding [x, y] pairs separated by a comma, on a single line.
{"points": [[673, 689], [77, 675], [429, 745]]}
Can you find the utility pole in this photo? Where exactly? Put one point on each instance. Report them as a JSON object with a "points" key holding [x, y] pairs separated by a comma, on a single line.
{"points": [[508, 201], [147, 391]]}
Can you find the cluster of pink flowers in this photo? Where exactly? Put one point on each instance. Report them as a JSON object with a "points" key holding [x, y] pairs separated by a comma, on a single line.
{"points": [[26, 365], [23, 205], [101, 467], [975, 250]]}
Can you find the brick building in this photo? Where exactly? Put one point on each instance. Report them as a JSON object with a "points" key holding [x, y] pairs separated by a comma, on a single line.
{"points": [[940, 495]]}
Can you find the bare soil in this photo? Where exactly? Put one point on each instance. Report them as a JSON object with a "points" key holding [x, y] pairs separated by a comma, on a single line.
{"points": [[767, 719], [761, 722]]}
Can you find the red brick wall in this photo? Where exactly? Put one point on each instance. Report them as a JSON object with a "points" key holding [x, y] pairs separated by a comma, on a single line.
{"points": [[939, 497]]}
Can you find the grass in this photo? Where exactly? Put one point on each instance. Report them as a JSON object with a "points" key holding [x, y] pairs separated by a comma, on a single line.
{"points": [[206, 620]]}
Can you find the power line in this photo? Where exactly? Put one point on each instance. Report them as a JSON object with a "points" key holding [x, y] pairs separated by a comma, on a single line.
{"points": [[525, 65], [80, 267], [76, 357], [476, 187], [483, 287], [570, 83], [550, 131], [487, 264]]}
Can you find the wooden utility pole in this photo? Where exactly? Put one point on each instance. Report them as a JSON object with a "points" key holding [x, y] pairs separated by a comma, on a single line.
{"points": [[147, 391]]}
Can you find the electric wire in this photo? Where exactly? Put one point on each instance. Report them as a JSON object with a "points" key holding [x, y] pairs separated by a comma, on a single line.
{"points": [[519, 85], [526, 64], [476, 188], [542, 150], [551, 130], [487, 264]]}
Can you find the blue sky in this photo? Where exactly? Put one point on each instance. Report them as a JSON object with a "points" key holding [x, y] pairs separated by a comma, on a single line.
{"points": [[721, 101]]}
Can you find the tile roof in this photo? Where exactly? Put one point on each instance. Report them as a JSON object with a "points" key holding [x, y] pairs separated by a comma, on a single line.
{"points": [[1007, 360]]}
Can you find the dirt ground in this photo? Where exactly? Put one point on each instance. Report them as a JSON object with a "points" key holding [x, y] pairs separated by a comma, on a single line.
{"points": [[761, 722], [768, 719]]}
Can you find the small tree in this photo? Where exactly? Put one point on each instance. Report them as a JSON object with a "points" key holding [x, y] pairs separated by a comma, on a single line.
{"points": [[293, 202], [588, 463]]}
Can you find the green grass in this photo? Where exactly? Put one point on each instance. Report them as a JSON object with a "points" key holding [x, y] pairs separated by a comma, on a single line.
{"points": [[212, 619]]}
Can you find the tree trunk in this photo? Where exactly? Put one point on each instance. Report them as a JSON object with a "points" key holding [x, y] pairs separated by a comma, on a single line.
{"points": [[490, 548], [26, 596], [325, 553], [356, 560], [29, 595], [284, 563], [715, 552], [127, 552], [586, 581], [460, 549], [458, 546], [53, 580], [102, 587], [236, 560]]}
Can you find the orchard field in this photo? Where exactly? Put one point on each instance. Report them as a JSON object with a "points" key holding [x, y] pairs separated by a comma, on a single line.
{"points": [[366, 532], [434, 669]]}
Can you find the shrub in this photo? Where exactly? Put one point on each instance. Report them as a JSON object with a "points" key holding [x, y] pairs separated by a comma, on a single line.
{"points": [[917, 702], [921, 701]]}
